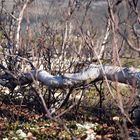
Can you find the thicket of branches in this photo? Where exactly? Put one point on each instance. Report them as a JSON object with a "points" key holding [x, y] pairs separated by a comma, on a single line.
{"points": [[63, 38]]}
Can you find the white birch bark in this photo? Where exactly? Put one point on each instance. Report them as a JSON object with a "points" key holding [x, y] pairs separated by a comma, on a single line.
{"points": [[124, 75]]}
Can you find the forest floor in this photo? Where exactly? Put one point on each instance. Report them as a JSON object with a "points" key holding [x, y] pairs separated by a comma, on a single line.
{"points": [[84, 123], [93, 119]]}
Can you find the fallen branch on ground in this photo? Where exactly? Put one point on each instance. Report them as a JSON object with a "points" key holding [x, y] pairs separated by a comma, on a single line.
{"points": [[130, 76]]}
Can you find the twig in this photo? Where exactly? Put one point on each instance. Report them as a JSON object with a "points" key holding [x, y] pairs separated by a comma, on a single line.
{"points": [[128, 42], [66, 110], [58, 120], [105, 40], [11, 14]]}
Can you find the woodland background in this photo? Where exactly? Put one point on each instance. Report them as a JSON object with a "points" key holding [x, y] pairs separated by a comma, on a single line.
{"points": [[45, 45]]}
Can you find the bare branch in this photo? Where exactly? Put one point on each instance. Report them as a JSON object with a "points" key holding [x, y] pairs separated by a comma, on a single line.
{"points": [[19, 23], [125, 75]]}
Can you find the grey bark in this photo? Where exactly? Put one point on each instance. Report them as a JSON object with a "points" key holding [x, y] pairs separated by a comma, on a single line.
{"points": [[130, 76]]}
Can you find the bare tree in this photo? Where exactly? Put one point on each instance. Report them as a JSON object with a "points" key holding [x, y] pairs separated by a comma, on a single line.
{"points": [[55, 51]]}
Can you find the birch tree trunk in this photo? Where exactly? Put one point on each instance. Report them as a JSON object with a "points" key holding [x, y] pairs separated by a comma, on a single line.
{"points": [[130, 76]]}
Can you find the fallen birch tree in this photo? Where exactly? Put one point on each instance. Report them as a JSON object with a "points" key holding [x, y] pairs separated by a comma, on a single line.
{"points": [[92, 73]]}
